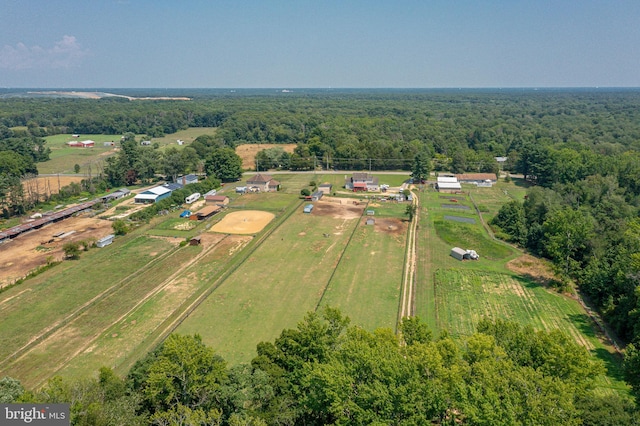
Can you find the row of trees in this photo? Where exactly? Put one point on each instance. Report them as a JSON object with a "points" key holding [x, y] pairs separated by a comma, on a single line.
{"points": [[20, 150], [326, 371], [590, 229], [135, 163]]}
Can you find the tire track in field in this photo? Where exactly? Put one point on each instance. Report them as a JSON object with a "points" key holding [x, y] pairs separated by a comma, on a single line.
{"points": [[48, 331], [173, 321], [407, 305], [169, 280]]}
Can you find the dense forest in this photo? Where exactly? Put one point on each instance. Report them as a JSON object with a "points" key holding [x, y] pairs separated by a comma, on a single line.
{"points": [[326, 371], [578, 150]]}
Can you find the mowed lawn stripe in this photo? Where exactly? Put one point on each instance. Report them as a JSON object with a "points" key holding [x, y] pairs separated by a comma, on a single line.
{"points": [[465, 297], [273, 289], [59, 292]]}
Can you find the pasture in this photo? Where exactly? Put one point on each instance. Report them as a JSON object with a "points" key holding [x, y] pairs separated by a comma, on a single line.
{"points": [[453, 295], [367, 281], [72, 301], [115, 304], [63, 158], [463, 297], [274, 288]]}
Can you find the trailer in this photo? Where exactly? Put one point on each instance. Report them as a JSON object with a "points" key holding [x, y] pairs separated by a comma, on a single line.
{"points": [[191, 198]]}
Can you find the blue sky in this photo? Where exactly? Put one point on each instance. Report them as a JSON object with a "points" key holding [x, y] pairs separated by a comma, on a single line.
{"points": [[318, 44]]}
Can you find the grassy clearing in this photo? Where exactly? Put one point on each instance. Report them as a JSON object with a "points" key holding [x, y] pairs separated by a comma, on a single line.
{"points": [[273, 289], [367, 281], [473, 237], [63, 158], [187, 135], [454, 295], [463, 297], [271, 201]]}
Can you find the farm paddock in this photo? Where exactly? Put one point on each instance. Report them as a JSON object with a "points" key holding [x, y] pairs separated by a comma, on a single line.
{"points": [[30, 250], [338, 210]]}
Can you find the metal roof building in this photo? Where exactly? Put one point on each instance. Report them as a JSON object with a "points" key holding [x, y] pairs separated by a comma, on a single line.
{"points": [[152, 195]]}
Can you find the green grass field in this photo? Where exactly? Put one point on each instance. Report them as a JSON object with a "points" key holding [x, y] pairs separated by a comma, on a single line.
{"points": [[63, 158], [273, 289], [366, 283], [453, 295], [113, 305]]}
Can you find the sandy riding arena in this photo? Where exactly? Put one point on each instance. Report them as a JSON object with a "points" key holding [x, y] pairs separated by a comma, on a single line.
{"points": [[243, 222]]}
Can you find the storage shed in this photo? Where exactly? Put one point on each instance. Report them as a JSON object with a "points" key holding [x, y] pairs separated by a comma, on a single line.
{"points": [[458, 253], [308, 208], [195, 241], [218, 200], [325, 188], [105, 241], [205, 213]]}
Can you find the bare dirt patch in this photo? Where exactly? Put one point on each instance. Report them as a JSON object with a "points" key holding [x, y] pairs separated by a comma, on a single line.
{"points": [[247, 152], [390, 225], [243, 222], [533, 268], [28, 251], [338, 211]]}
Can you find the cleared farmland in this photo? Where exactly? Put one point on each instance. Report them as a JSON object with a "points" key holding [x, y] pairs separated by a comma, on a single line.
{"points": [[283, 279], [113, 305], [366, 284], [465, 297]]}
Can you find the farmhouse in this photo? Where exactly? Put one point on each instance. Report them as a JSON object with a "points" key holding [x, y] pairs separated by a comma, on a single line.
{"points": [[105, 241], [361, 182], [264, 183], [152, 195], [218, 200], [448, 184], [81, 144], [187, 179]]}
